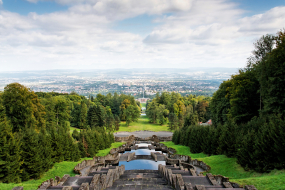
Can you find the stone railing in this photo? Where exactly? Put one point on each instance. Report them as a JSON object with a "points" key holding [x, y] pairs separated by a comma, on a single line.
{"points": [[200, 164], [98, 181], [53, 182]]}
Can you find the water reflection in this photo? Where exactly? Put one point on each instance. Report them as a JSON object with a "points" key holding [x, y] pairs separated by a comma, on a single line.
{"points": [[143, 151], [141, 164]]}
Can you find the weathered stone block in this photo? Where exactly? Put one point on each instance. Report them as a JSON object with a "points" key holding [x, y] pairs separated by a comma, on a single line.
{"points": [[188, 186], [109, 178], [200, 187], [103, 181], [173, 180], [193, 172], [95, 183], [84, 186], [64, 178], [227, 185], [212, 179], [67, 188], [180, 182]]}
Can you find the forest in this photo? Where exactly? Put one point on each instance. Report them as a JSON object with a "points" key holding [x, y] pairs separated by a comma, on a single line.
{"points": [[247, 112], [35, 128], [178, 111]]}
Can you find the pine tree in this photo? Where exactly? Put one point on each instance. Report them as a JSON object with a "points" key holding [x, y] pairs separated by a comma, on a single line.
{"points": [[10, 154], [45, 150], [31, 154]]}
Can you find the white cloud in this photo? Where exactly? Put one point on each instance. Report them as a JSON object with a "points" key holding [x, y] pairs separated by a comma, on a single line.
{"points": [[1, 2], [196, 33], [33, 1]]}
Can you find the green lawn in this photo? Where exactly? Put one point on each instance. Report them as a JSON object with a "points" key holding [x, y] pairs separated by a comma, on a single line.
{"points": [[142, 125], [143, 104], [72, 129], [59, 169], [222, 165]]}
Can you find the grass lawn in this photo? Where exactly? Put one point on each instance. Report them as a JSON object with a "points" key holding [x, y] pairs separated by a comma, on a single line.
{"points": [[72, 129], [142, 125], [59, 169], [222, 165], [143, 104]]}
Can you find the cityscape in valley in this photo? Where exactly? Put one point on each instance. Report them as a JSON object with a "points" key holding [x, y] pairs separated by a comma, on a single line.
{"points": [[136, 82]]}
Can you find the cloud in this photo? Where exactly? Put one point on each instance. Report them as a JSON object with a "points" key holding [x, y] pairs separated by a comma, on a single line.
{"points": [[1, 2], [32, 1], [187, 33], [224, 27]]}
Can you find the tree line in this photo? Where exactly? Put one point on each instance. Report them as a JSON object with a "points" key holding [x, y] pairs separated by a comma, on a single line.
{"points": [[247, 112], [35, 128], [178, 111]]}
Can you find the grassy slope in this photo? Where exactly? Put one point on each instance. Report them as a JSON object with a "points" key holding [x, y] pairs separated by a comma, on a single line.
{"points": [[228, 167], [143, 104], [59, 169], [142, 125]]}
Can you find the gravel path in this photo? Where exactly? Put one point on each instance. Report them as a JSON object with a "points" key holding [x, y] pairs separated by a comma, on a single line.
{"points": [[144, 134]]}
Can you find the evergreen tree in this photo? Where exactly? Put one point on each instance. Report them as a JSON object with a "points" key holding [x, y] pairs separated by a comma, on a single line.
{"points": [[10, 154], [31, 155]]}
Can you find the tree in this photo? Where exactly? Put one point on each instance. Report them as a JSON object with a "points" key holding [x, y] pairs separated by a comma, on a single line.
{"points": [[23, 107], [83, 115], [31, 155], [10, 153], [124, 105], [131, 113], [61, 110], [271, 76], [220, 103], [96, 116], [173, 121], [117, 122]]}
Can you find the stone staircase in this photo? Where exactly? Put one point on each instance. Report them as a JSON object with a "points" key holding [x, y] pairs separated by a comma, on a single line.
{"points": [[140, 179], [183, 178]]}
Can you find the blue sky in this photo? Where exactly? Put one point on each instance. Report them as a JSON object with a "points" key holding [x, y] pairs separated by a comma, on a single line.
{"points": [[82, 34]]}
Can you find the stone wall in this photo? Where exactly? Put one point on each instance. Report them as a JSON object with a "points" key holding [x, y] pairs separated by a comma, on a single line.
{"points": [[53, 182], [201, 164], [153, 138]]}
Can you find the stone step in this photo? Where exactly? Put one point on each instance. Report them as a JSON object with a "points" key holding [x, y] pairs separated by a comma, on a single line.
{"points": [[140, 171], [139, 175], [77, 181], [182, 172], [140, 187], [98, 172], [197, 180], [140, 181]]}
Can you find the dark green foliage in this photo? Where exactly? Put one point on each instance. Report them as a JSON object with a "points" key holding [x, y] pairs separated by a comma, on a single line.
{"points": [[173, 121], [10, 158], [22, 106], [96, 116], [31, 155]]}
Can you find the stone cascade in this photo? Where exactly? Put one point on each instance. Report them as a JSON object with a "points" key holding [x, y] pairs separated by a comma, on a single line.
{"points": [[140, 179], [180, 172], [98, 178], [181, 178]]}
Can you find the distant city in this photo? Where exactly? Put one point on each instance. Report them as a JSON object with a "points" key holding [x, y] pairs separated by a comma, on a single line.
{"points": [[136, 82]]}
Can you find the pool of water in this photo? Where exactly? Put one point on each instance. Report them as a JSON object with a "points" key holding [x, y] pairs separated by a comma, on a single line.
{"points": [[142, 164]]}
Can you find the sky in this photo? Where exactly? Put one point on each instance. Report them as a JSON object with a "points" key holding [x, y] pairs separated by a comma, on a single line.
{"points": [[108, 34]]}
